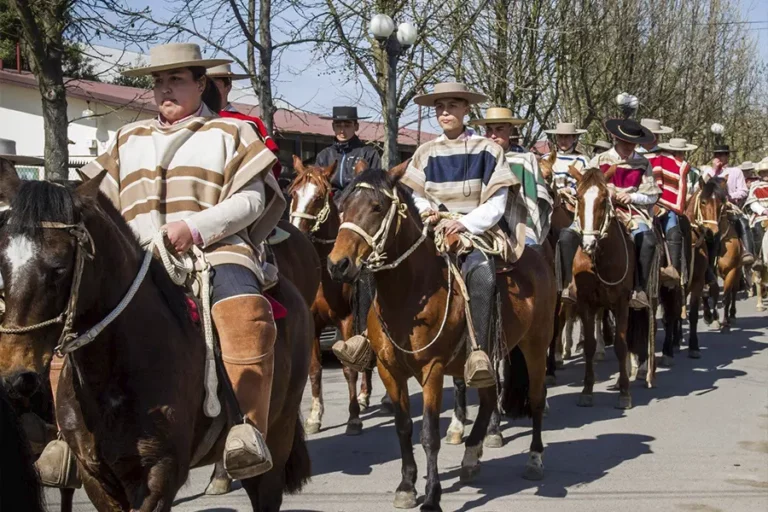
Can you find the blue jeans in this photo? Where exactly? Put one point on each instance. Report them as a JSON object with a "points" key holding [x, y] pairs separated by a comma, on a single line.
{"points": [[529, 241], [668, 221], [230, 280]]}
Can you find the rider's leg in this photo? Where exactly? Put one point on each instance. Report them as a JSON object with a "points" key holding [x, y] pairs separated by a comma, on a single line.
{"points": [[645, 249], [745, 235], [247, 333], [479, 273], [713, 250], [758, 232], [568, 243], [674, 236]]}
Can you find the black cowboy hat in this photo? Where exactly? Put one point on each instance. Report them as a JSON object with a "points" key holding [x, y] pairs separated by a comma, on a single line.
{"points": [[629, 130], [721, 148], [344, 114]]}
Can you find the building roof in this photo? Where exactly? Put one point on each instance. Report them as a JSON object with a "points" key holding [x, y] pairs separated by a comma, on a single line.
{"points": [[286, 121]]}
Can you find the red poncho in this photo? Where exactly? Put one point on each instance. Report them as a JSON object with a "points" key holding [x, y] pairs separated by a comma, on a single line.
{"points": [[262, 131]]}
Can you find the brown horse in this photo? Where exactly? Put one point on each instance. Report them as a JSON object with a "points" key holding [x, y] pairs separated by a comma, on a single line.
{"points": [[130, 399], [704, 212], [314, 212], [417, 324], [603, 273]]}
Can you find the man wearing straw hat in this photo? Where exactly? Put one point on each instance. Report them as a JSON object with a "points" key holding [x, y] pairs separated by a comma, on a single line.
{"points": [[670, 170], [737, 194], [500, 125], [750, 176], [566, 139], [223, 76], [600, 146], [652, 148], [757, 207]]}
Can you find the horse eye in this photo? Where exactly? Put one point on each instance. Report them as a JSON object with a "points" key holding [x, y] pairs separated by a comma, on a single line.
{"points": [[376, 207]]}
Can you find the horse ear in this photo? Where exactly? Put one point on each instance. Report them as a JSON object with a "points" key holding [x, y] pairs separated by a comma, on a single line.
{"points": [[574, 173], [360, 166], [328, 171], [91, 187], [552, 158], [9, 181], [298, 165], [83, 177], [610, 172], [398, 171]]}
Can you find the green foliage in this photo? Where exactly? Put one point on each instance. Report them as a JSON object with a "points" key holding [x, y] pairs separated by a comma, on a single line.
{"points": [[141, 82]]}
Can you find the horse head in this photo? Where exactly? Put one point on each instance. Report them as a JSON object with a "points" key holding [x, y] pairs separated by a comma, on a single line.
{"points": [[310, 195], [48, 241], [547, 165], [708, 205], [375, 207], [593, 207]]}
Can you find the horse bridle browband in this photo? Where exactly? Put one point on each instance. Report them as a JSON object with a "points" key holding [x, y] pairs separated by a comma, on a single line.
{"points": [[318, 219], [85, 250], [397, 210]]}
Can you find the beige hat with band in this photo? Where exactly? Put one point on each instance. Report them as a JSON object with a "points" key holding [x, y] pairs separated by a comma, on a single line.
{"points": [[449, 90], [566, 129], [499, 115], [677, 145], [655, 126], [174, 56], [225, 71]]}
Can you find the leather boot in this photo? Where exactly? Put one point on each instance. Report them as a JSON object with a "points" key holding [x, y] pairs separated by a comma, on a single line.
{"points": [[646, 243], [480, 275], [247, 334], [745, 234], [57, 465], [757, 236], [674, 267]]}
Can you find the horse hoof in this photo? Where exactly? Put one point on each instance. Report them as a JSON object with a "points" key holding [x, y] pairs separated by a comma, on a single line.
{"points": [[494, 441], [534, 469], [585, 400], [454, 438], [311, 427], [694, 354], [667, 362], [760, 308], [386, 405], [218, 486], [625, 402], [560, 364], [715, 325], [550, 380], [354, 427], [468, 473], [599, 356], [405, 499]]}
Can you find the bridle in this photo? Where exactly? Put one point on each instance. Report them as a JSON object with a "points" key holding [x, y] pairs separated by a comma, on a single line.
{"points": [[698, 218], [397, 210], [69, 340], [318, 219]]}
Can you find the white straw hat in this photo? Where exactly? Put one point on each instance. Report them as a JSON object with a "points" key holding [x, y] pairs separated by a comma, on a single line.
{"points": [[677, 145], [566, 129], [175, 56]]}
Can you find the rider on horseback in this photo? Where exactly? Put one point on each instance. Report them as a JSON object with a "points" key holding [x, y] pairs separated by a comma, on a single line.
{"points": [[499, 125], [568, 155], [634, 192], [757, 207], [463, 173], [737, 193], [205, 181], [670, 169]]}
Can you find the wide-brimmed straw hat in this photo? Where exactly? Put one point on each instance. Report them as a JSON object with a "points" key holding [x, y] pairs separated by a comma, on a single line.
{"points": [[499, 115], [8, 152], [630, 131], [677, 145], [601, 144], [762, 165], [174, 56], [565, 129], [225, 71], [655, 126], [449, 90], [747, 166]]}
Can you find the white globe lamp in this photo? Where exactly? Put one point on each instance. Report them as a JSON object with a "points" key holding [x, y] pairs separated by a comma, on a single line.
{"points": [[382, 26]]}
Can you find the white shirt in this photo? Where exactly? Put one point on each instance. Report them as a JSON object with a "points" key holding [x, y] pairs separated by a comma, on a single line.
{"points": [[479, 220]]}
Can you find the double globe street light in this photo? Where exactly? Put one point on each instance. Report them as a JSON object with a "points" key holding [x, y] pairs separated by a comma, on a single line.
{"points": [[395, 41]]}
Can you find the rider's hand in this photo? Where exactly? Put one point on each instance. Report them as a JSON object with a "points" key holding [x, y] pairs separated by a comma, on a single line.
{"points": [[717, 164], [432, 218], [179, 235], [453, 227], [623, 197]]}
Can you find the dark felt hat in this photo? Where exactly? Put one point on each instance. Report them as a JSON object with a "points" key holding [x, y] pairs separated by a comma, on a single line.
{"points": [[344, 114], [629, 130]]}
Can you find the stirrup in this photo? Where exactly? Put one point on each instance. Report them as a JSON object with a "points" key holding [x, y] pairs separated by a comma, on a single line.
{"points": [[747, 258], [670, 277], [57, 466], [355, 353], [478, 370], [245, 453], [639, 300], [568, 296]]}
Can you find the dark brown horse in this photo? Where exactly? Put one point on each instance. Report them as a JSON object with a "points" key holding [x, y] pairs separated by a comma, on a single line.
{"points": [[130, 403], [704, 213], [417, 325], [314, 212], [603, 273]]}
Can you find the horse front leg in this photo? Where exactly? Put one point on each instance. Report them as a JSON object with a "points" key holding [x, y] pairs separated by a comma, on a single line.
{"points": [[493, 437], [364, 397], [729, 294], [397, 389], [588, 328], [473, 451], [694, 352], [220, 482], [354, 423], [622, 355], [315, 420], [430, 434], [455, 434], [757, 277], [599, 336]]}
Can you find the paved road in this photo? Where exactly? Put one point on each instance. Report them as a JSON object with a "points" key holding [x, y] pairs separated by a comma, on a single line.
{"points": [[697, 442]]}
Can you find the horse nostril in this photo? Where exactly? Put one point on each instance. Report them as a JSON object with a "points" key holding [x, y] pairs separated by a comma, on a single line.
{"points": [[25, 383]]}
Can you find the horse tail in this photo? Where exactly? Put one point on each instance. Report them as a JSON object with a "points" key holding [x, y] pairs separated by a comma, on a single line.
{"points": [[515, 400], [19, 485], [637, 333], [298, 467]]}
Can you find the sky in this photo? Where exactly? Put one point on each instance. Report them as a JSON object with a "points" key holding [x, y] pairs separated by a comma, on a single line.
{"points": [[304, 83]]}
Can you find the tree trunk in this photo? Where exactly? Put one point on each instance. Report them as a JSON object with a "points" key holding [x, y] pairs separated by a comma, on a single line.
{"points": [[55, 122], [265, 65]]}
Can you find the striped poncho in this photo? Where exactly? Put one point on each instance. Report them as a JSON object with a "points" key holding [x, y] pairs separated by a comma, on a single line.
{"points": [[211, 172], [561, 178], [534, 192], [463, 173], [671, 177], [757, 202]]}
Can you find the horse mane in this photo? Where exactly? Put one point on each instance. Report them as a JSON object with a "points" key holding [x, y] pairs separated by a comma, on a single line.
{"points": [[317, 178], [380, 180], [592, 177], [712, 189], [46, 201], [19, 485]]}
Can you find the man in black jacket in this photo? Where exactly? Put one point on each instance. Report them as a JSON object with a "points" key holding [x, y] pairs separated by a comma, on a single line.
{"points": [[348, 148]]}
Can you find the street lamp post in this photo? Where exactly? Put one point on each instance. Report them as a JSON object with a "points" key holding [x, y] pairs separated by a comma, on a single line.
{"points": [[395, 42]]}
